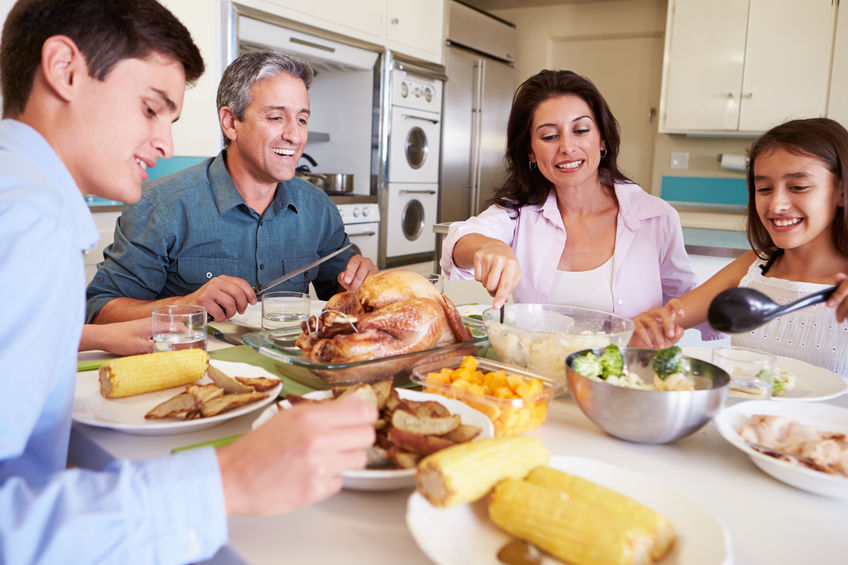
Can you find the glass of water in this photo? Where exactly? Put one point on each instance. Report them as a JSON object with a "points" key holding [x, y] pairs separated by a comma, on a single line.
{"points": [[284, 309], [751, 371], [179, 326]]}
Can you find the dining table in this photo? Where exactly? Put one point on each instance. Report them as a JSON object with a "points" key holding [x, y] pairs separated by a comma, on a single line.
{"points": [[767, 521]]}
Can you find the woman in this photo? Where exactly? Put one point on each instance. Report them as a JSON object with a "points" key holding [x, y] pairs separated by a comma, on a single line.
{"points": [[566, 217]]}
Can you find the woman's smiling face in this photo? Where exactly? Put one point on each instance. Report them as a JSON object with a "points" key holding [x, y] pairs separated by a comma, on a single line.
{"points": [[565, 141], [796, 198]]}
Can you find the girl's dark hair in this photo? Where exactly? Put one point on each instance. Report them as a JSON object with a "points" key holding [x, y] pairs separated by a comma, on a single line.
{"points": [[524, 186], [821, 138], [106, 32]]}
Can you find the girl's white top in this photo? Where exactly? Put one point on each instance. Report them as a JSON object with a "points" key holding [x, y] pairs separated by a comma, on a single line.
{"points": [[810, 334], [587, 289]]}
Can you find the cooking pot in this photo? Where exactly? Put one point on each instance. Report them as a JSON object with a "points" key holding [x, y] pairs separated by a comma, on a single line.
{"points": [[332, 183]]}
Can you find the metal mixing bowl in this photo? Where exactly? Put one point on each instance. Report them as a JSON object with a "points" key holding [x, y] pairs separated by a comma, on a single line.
{"points": [[539, 337], [649, 416]]}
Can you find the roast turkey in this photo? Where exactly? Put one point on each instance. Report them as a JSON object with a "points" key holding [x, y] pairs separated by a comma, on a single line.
{"points": [[391, 313]]}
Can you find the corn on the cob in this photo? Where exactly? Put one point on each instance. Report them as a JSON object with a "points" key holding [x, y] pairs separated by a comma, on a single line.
{"points": [[466, 472], [149, 372], [657, 526], [568, 527]]}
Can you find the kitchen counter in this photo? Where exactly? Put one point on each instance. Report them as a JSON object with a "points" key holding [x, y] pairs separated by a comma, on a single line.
{"points": [[353, 198], [371, 525]]}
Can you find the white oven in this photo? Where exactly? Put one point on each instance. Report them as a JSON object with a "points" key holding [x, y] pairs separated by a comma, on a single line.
{"points": [[410, 195], [412, 209], [362, 226]]}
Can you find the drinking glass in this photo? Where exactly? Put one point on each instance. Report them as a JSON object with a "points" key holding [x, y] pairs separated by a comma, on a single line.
{"points": [[179, 326], [437, 280], [284, 309], [751, 372]]}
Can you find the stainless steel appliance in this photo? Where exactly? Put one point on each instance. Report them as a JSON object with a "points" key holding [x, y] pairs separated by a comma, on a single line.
{"points": [[345, 97], [478, 95], [410, 192], [362, 225]]}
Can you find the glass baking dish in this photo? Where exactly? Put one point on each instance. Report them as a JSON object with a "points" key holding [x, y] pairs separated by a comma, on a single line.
{"points": [[280, 346]]}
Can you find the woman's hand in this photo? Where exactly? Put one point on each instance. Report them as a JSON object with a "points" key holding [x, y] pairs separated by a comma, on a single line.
{"points": [[839, 298], [658, 328], [497, 269]]}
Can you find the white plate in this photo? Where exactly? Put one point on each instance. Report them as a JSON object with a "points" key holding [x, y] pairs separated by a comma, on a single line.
{"points": [[464, 534], [391, 479], [252, 316], [127, 414], [813, 383], [825, 417]]}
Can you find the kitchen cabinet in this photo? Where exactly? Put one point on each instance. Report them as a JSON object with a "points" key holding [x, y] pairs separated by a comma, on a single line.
{"points": [[416, 28], [736, 66], [837, 106], [412, 27]]}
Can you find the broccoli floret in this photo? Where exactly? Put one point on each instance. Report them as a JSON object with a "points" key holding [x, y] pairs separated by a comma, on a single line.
{"points": [[669, 361], [587, 365], [612, 362]]}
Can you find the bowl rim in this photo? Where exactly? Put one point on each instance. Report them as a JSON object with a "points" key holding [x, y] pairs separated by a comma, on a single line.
{"points": [[574, 309], [569, 371]]}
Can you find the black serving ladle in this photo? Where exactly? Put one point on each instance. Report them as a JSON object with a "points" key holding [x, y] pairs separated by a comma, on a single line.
{"points": [[742, 309]]}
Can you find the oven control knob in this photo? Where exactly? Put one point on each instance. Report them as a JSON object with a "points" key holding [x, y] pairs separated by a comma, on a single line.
{"points": [[428, 94], [404, 90], [356, 212], [366, 212]]}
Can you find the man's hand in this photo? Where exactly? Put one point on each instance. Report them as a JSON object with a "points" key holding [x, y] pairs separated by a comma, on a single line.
{"points": [[497, 268], [123, 338], [296, 458], [358, 268], [223, 297]]}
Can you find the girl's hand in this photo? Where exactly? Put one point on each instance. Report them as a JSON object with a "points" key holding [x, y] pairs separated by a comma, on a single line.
{"points": [[839, 298], [497, 268], [658, 328]]}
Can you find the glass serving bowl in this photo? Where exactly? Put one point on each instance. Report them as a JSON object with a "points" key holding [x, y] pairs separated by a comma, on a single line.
{"points": [[539, 337]]}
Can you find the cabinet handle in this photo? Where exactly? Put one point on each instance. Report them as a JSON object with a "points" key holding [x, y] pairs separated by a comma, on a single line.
{"points": [[748, 95], [395, 21], [730, 95]]}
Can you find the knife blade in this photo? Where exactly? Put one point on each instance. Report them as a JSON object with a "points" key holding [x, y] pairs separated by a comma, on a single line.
{"points": [[218, 334], [260, 289]]}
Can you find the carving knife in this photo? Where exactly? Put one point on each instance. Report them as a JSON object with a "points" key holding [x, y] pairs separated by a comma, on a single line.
{"points": [[260, 289]]}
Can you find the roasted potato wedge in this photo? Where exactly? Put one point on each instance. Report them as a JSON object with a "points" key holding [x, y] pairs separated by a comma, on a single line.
{"points": [[417, 443], [406, 421]]}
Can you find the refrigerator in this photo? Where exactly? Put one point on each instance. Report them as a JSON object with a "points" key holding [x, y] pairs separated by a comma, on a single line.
{"points": [[477, 98]]}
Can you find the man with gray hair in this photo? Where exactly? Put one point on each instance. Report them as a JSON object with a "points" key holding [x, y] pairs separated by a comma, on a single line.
{"points": [[210, 233]]}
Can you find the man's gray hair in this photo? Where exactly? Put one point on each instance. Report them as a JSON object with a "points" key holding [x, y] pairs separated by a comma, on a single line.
{"points": [[234, 88]]}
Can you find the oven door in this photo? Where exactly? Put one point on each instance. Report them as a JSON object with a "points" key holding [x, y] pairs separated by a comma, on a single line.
{"points": [[365, 238], [409, 220], [414, 146]]}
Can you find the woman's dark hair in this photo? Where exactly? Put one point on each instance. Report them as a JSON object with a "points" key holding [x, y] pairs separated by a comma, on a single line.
{"points": [[106, 32], [821, 138], [524, 186]]}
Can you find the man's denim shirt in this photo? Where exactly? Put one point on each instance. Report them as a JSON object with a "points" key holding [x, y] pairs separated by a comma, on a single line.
{"points": [[192, 226]]}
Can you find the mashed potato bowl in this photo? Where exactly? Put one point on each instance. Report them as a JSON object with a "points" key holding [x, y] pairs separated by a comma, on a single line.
{"points": [[539, 337], [649, 416]]}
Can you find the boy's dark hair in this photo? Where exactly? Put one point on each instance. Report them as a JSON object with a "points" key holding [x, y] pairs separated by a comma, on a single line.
{"points": [[822, 138], [106, 32]]}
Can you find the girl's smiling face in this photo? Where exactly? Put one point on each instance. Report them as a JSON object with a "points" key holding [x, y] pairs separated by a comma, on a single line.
{"points": [[795, 198]]}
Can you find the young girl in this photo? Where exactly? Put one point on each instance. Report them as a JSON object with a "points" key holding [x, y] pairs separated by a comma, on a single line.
{"points": [[798, 227]]}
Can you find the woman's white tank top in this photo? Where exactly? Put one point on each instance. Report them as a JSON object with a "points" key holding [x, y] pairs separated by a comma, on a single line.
{"points": [[587, 289]]}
